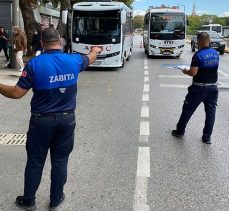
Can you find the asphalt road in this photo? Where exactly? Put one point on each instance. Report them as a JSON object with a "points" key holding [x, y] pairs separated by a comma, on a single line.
{"points": [[124, 156]]}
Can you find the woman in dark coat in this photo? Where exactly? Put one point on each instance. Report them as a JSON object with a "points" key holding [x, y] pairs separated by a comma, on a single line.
{"points": [[36, 41], [4, 43]]}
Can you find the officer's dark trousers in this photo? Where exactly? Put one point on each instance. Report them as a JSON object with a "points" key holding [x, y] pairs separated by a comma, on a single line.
{"points": [[196, 95], [57, 134]]}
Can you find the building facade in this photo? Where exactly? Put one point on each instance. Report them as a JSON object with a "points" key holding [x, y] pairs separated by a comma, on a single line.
{"points": [[6, 13]]}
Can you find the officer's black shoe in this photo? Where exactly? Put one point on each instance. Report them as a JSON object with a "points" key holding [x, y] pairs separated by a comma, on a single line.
{"points": [[55, 208], [206, 140], [25, 205], [177, 134]]}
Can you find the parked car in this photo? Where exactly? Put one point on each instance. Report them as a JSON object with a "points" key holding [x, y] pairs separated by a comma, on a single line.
{"points": [[216, 42]]}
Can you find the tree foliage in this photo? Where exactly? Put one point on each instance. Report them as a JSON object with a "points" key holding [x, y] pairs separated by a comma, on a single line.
{"points": [[195, 22], [30, 24], [138, 21]]}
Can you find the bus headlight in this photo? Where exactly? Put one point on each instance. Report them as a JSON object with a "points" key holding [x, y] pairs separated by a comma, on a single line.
{"points": [[113, 40], [77, 39], [181, 46], [153, 46]]}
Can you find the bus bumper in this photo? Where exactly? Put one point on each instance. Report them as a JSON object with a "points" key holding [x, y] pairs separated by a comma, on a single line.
{"points": [[166, 52], [108, 62]]}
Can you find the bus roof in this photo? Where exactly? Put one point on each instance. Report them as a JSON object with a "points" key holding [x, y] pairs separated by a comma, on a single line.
{"points": [[212, 24], [100, 6], [164, 10]]}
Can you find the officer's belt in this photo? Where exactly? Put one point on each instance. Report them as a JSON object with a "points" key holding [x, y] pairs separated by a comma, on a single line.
{"points": [[204, 84], [52, 114]]}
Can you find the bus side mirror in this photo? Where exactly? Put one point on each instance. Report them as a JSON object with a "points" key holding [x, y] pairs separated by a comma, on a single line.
{"points": [[64, 16], [123, 17]]}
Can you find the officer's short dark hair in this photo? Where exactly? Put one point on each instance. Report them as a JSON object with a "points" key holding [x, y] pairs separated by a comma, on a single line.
{"points": [[203, 36], [50, 35]]}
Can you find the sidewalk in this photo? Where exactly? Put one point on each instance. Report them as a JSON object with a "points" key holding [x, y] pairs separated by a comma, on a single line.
{"points": [[8, 76]]}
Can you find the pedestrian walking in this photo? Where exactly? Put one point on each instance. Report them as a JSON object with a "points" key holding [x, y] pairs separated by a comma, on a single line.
{"points": [[40, 50], [20, 46], [4, 44], [36, 41], [204, 69], [53, 77]]}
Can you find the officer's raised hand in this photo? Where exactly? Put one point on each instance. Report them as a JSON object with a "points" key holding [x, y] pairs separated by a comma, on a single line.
{"points": [[93, 54]]}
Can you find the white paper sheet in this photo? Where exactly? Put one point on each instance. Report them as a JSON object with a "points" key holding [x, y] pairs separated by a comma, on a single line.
{"points": [[182, 67]]}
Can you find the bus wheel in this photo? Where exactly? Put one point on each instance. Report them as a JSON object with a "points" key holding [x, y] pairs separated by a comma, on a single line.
{"points": [[128, 58], [123, 62]]}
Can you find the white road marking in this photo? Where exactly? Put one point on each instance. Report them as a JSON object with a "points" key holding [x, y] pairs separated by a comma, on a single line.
{"points": [[140, 196], [146, 79], [146, 88], [144, 104], [146, 72], [223, 73], [143, 166], [174, 86], [143, 163], [145, 97], [145, 112], [143, 139], [144, 128]]}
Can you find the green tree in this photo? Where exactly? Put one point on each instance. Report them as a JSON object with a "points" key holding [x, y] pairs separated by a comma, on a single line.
{"points": [[194, 24], [30, 24], [138, 21]]}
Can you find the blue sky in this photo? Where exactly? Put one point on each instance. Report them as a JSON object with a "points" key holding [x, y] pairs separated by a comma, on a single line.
{"points": [[218, 7]]}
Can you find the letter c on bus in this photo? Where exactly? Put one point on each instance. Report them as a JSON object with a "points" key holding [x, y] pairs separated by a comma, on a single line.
{"points": [[108, 48]]}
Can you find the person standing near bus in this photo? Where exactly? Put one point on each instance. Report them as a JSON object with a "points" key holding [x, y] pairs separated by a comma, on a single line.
{"points": [[4, 44], [20, 46], [204, 69], [53, 78]]}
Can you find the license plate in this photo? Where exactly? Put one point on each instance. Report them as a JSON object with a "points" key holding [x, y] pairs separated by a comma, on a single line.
{"points": [[166, 53], [97, 63]]}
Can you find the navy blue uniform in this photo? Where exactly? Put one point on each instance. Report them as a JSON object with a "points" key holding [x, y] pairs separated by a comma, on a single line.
{"points": [[53, 77], [204, 89]]}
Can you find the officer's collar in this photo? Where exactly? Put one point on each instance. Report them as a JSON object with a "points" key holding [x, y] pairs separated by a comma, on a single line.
{"points": [[207, 47], [53, 51]]}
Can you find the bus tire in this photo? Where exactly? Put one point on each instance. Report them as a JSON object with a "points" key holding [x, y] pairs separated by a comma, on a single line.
{"points": [[128, 58], [123, 62]]}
